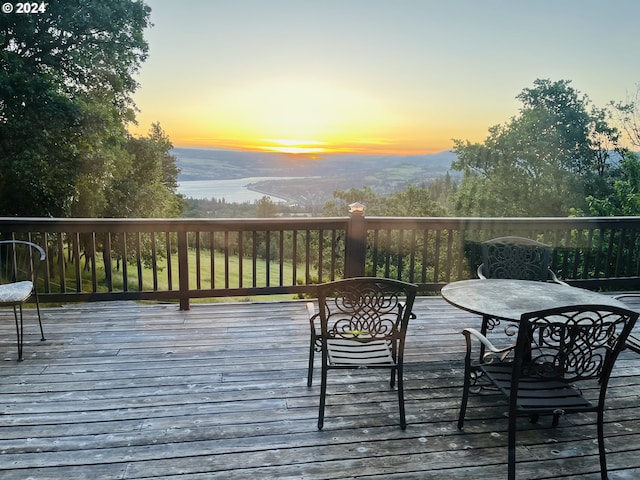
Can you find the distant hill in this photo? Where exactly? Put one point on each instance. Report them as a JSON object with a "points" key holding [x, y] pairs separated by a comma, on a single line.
{"points": [[320, 177]]}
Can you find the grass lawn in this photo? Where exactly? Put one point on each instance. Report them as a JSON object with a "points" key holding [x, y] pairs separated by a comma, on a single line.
{"points": [[224, 276]]}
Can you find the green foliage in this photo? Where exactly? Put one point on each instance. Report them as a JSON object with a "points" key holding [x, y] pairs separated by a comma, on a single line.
{"points": [[543, 162], [217, 208], [414, 201], [624, 198], [220, 208], [145, 185], [339, 206], [66, 82], [266, 208], [38, 159], [74, 46]]}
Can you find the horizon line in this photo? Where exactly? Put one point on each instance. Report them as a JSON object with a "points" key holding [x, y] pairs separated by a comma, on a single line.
{"points": [[314, 153]]}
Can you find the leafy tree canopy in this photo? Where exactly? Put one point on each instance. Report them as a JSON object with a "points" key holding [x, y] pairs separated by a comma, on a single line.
{"points": [[624, 197], [67, 76], [543, 162], [76, 46], [415, 201], [266, 208]]}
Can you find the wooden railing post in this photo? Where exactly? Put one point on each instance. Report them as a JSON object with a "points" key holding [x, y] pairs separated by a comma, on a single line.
{"points": [[356, 242], [183, 269]]}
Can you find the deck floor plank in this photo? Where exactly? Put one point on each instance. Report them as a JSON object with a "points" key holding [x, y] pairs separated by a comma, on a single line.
{"points": [[130, 391]]}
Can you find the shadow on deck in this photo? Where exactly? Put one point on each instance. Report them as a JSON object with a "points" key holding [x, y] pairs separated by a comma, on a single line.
{"points": [[123, 391]]}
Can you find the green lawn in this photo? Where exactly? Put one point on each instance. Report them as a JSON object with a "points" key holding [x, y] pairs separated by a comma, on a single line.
{"points": [[220, 269]]}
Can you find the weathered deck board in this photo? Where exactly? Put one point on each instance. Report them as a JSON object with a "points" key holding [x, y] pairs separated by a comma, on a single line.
{"points": [[124, 391]]}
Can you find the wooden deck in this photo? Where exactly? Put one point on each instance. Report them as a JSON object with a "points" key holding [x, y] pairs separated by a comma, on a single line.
{"points": [[122, 390]]}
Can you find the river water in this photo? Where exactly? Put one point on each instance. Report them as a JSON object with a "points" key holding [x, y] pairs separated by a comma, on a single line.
{"points": [[233, 191]]}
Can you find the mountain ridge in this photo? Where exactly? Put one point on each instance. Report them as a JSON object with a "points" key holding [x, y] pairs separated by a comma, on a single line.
{"points": [[219, 164]]}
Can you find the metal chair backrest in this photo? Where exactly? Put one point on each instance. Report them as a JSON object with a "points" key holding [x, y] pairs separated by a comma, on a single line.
{"points": [[515, 258], [572, 343], [365, 309], [19, 261]]}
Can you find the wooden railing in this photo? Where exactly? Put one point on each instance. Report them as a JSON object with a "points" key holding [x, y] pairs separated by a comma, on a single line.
{"points": [[180, 259]]}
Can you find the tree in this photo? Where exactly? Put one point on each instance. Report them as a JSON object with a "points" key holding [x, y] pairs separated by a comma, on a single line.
{"points": [[629, 116], [624, 198], [543, 162], [620, 194], [265, 208], [339, 205], [66, 85], [146, 181], [414, 201]]}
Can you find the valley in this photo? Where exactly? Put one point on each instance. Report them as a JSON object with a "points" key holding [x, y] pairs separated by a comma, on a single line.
{"points": [[311, 181]]}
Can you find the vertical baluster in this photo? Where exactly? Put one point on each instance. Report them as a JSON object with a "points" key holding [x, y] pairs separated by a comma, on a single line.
{"points": [[226, 259], [240, 237], [139, 261], [167, 241], [255, 258], [124, 266], [154, 260]]}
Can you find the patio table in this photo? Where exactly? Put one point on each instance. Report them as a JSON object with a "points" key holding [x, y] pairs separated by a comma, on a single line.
{"points": [[506, 299]]}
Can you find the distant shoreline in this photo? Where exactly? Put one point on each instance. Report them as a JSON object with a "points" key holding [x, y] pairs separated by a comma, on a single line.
{"points": [[237, 190], [265, 192]]}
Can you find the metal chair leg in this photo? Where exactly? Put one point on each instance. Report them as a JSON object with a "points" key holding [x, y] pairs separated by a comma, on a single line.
{"points": [[601, 449], [42, 339], [323, 398], [19, 330], [465, 392], [310, 368], [403, 419], [511, 454]]}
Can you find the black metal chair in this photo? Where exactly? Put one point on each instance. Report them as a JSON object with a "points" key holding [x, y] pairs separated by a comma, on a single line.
{"points": [[361, 323], [557, 351], [19, 265], [517, 258]]}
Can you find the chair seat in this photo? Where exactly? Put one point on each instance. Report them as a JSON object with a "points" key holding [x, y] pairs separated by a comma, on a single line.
{"points": [[15, 293], [343, 352], [536, 394]]}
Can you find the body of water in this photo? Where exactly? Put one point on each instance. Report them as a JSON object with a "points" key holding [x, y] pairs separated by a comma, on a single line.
{"points": [[233, 191]]}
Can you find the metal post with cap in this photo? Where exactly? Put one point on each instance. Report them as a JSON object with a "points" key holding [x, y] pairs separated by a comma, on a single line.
{"points": [[356, 244]]}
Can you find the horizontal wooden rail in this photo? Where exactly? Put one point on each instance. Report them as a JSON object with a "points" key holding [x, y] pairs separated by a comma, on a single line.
{"points": [[180, 259]]}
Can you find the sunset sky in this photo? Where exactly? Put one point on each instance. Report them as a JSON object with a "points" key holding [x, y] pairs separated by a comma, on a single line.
{"points": [[389, 76]]}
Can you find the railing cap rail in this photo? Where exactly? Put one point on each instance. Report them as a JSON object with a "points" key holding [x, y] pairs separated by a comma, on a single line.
{"points": [[12, 224]]}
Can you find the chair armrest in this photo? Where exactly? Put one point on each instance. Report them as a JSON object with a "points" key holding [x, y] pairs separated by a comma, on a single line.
{"points": [[491, 349], [480, 273], [311, 309], [622, 296], [633, 344], [313, 319], [555, 279]]}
